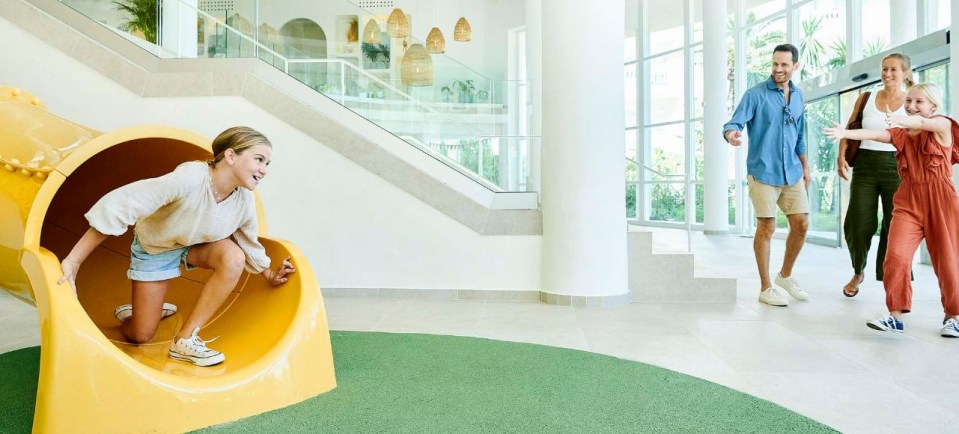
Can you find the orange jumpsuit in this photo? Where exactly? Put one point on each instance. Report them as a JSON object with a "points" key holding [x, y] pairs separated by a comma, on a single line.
{"points": [[926, 206]]}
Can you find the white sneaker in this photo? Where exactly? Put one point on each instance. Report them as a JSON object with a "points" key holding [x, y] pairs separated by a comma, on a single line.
{"points": [[950, 329], [124, 311], [772, 297], [791, 285], [194, 350]]}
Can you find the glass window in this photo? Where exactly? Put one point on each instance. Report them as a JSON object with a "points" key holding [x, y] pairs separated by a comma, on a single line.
{"points": [[698, 91], [698, 21], [630, 81], [761, 39], [631, 144], [632, 29], [665, 20], [822, 37], [821, 153], [668, 202], [668, 150], [940, 76], [667, 84], [875, 27], [759, 9], [943, 15]]}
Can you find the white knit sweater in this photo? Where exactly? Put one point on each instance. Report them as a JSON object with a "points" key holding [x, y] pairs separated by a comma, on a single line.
{"points": [[178, 210]]}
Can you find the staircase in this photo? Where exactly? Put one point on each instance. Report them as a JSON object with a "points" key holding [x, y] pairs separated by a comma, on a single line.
{"points": [[669, 277]]}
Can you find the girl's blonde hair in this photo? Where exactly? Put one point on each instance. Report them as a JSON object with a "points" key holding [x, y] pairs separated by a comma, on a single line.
{"points": [[238, 139], [932, 92], [906, 66]]}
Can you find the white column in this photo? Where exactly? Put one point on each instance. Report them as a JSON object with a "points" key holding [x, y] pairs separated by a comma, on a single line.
{"points": [[716, 150], [178, 32], [902, 21], [853, 31], [583, 203], [534, 70]]}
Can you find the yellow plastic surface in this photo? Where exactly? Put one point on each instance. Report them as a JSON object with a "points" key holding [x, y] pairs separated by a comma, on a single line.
{"points": [[276, 339]]}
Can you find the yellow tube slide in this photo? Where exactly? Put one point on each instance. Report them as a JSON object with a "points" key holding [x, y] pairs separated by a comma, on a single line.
{"points": [[276, 340]]}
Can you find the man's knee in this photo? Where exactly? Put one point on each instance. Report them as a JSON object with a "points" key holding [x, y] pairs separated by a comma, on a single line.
{"points": [[765, 226], [799, 223]]}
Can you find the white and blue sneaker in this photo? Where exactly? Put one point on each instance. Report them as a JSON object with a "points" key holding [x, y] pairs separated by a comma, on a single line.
{"points": [[887, 323], [950, 328]]}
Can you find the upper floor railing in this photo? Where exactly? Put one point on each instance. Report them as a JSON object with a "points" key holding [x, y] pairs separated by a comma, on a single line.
{"points": [[473, 124]]}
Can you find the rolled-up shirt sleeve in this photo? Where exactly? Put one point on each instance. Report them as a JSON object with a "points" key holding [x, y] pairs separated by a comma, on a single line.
{"points": [[247, 238], [743, 114], [124, 206], [801, 135]]}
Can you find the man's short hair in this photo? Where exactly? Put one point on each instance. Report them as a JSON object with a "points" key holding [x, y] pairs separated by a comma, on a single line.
{"points": [[788, 48]]}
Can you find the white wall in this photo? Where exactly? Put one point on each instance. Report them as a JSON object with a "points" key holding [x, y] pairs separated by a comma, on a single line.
{"points": [[357, 230]]}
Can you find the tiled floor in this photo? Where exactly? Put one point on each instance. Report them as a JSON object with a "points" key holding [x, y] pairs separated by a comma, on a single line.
{"points": [[816, 357]]}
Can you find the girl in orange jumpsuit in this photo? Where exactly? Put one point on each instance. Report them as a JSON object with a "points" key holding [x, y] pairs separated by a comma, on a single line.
{"points": [[925, 206]]}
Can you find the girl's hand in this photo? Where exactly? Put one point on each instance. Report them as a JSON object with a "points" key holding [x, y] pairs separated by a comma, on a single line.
{"points": [[837, 132], [894, 120], [278, 276], [70, 270]]}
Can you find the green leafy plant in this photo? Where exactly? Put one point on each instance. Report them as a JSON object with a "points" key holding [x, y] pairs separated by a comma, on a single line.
{"points": [[376, 53], [464, 88], [141, 17]]}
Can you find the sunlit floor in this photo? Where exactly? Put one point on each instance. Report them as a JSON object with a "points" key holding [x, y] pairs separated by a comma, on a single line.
{"points": [[817, 357]]}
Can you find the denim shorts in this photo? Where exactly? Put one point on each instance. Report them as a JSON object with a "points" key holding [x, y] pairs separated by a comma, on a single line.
{"points": [[145, 267]]}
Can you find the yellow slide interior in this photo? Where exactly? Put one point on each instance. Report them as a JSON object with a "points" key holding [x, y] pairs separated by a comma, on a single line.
{"points": [[276, 339]]}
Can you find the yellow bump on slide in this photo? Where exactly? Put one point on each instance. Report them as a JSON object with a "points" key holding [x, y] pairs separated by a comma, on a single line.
{"points": [[276, 339]]}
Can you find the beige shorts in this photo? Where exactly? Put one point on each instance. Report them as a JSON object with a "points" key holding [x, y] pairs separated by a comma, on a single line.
{"points": [[792, 199]]}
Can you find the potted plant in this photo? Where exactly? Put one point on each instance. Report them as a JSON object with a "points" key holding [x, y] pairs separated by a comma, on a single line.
{"points": [[447, 93], [141, 18], [378, 54], [465, 91]]}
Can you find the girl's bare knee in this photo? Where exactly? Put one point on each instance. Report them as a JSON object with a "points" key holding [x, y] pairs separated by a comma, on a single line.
{"points": [[231, 261], [140, 335]]}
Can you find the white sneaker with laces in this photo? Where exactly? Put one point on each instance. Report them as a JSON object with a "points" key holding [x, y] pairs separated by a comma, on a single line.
{"points": [[194, 350], [772, 297], [124, 311], [791, 285], [950, 329]]}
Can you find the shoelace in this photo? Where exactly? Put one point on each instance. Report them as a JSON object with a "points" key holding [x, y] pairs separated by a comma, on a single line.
{"points": [[195, 343]]}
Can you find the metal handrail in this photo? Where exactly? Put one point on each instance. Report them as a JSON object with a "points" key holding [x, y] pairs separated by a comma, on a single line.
{"points": [[686, 183]]}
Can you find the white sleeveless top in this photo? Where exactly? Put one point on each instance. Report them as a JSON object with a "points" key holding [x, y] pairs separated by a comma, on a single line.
{"points": [[873, 119]]}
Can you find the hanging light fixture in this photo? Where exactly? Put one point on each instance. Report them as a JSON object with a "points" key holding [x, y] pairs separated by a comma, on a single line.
{"points": [[417, 67], [397, 25], [435, 42], [371, 32], [462, 32]]}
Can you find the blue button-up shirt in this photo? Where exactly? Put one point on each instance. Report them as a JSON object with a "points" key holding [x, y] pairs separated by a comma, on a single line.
{"points": [[775, 132]]}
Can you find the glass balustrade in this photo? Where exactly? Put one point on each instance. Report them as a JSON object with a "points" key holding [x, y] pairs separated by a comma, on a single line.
{"points": [[476, 125]]}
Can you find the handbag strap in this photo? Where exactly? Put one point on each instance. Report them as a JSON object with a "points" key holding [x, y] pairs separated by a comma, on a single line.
{"points": [[858, 109]]}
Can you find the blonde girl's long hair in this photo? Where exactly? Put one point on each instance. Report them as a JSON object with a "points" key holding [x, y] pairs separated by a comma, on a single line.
{"points": [[238, 139], [906, 63]]}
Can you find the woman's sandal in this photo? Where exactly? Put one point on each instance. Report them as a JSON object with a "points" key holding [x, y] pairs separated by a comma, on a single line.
{"points": [[855, 288]]}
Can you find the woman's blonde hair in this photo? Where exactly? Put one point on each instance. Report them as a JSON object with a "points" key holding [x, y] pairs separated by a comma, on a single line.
{"points": [[238, 139], [932, 92], [906, 67]]}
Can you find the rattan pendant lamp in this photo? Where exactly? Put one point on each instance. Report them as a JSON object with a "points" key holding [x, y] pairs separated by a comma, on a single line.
{"points": [[462, 31], [435, 42], [417, 67], [371, 32], [397, 25]]}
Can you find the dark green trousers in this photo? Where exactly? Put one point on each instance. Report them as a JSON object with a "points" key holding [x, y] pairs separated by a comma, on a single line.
{"points": [[873, 177]]}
